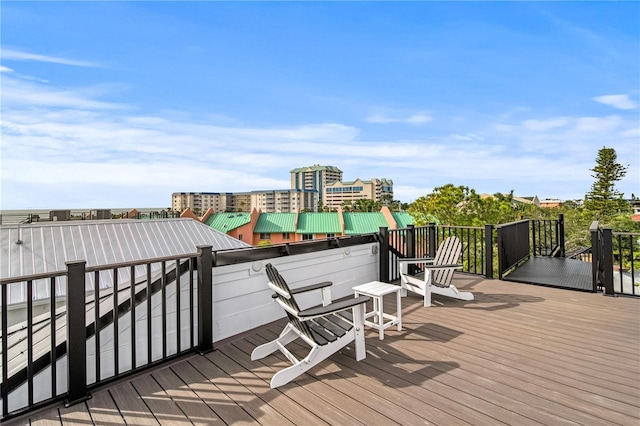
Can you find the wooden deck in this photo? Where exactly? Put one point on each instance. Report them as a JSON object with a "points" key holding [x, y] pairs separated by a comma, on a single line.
{"points": [[517, 355]]}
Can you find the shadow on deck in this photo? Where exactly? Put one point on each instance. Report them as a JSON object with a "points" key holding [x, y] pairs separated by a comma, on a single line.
{"points": [[554, 271]]}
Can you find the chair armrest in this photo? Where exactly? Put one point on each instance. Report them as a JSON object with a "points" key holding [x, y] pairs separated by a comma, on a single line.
{"points": [[310, 287], [411, 260], [452, 266], [341, 305]]}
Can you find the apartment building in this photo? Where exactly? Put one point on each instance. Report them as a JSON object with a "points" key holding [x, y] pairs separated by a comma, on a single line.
{"points": [[200, 202], [284, 201], [270, 201], [336, 193], [315, 178]]}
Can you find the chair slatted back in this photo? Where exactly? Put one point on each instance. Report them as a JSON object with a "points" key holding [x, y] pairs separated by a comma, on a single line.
{"points": [[287, 301], [448, 253]]}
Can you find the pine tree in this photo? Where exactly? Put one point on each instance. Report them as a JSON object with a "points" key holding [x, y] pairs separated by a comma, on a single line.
{"points": [[603, 198]]}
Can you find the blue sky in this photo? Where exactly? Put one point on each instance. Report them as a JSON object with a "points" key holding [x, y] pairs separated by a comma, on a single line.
{"points": [[119, 104]]}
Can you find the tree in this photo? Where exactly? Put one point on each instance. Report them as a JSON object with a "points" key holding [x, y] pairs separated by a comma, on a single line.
{"points": [[604, 199]]}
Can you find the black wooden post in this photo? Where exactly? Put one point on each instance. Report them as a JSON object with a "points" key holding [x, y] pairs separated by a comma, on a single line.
{"points": [[205, 299], [411, 241], [607, 261], [561, 234], [76, 333], [384, 254], [432, 240], [488, 251], [595, 255]]}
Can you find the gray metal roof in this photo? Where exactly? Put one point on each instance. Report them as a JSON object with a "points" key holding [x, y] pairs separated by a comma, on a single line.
{"points": [[47, 246]]}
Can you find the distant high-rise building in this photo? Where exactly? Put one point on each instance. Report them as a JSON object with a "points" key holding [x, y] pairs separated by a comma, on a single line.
{"points": [[315, 178]]}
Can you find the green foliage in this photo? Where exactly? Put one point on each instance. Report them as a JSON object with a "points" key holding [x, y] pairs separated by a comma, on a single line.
{"points": [[603, 199], [461, 206]]}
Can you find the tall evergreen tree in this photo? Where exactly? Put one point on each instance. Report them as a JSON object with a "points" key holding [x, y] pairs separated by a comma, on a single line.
{"points": [[603, 198]]}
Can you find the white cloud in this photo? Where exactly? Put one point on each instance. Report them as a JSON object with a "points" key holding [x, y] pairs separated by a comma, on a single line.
{"points": [[544, 125], [419, 118], [617, 101], [5, 69], [17, 92], [16, 55]]}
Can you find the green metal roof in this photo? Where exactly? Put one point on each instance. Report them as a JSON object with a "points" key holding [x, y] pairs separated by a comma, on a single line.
{"points": [[363, 223], [225, 222], [403, 219], [269, 223], [318, 223]]}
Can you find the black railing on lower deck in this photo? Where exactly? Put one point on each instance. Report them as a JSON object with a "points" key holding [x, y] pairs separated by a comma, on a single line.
{"points": [[547, 237], [422, 241]]}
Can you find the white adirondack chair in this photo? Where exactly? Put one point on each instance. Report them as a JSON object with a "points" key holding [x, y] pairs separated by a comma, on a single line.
{"points": [[326, 328], [437, 273]]}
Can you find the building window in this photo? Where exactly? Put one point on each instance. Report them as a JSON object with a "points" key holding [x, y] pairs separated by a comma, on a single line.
{"points": [[265, 236], [240, 237], [307, 236], [331, 235], [286, 236]]}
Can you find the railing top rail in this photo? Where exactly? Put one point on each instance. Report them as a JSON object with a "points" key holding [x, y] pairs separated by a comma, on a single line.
{"points": [[32, 277], [503, 225], [594, 226], [462, 227], [140, 262], [632, 234], [45, 275]]}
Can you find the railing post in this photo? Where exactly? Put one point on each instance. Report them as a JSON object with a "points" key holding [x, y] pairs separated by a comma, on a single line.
{"points": [[488, 251], [411, 245], [384, 254], [533, 237], [607, 261], [205, 299], [561, 234], [432, 239], [595, 255], [76, 333], [411, 241]]}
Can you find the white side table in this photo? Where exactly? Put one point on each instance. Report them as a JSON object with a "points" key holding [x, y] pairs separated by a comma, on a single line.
{"points": [[376, 290]]}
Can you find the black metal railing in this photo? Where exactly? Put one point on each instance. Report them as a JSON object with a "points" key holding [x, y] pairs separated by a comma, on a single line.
{"points": [[118, 315], [513, 245], [422, 241], [602, 258], [547, 237], [626, 263], [115, 304]]}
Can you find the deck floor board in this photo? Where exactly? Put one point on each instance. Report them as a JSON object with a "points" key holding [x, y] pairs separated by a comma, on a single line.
{"points": [[518, 354]]}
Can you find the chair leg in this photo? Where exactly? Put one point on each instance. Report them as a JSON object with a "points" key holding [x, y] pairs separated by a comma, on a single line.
{"points": [[427, 295], [358, 329], [287, 336]]}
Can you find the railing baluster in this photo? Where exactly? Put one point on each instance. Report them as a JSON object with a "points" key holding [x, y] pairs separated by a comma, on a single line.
{"points": [[116, 331], [96, 320], [149, 331], [5, 356], [164, 309], [179, 345], [132, 296], [52, 330], [30, 342], [191, 303]]}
